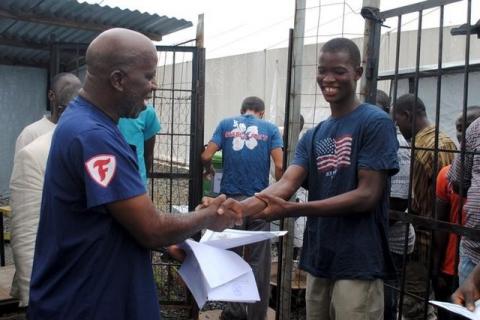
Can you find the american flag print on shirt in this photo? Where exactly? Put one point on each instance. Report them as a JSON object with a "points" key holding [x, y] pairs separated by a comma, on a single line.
{"points": [[333, 153]]}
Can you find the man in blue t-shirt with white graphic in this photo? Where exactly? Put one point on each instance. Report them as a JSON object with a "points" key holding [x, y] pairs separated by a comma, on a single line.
{"points": [[347, 160], [247, 143], [97, 225]]}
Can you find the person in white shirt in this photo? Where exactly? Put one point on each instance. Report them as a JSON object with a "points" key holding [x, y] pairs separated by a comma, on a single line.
{"points": [[63, 82], [26, 185], [26, 196]]}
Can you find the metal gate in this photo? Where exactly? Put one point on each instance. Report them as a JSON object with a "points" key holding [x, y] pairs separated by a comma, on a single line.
{"points": [[177, 169], [175, 183], [415, 81]]}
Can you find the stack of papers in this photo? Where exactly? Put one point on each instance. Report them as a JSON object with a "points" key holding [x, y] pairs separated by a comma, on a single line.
{"points": [[455, 308], [213, 273]]}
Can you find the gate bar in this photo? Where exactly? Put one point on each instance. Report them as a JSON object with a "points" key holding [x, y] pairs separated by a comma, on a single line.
{"points": [[414, 7]]}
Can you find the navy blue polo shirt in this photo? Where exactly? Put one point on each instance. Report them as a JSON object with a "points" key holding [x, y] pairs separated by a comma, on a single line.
{"points": [[86, 265]]}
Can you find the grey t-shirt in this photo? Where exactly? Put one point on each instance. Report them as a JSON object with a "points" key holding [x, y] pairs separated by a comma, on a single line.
{"points": [[399, 189]]}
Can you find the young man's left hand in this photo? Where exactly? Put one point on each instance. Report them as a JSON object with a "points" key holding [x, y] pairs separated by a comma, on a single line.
{"points": [[276, 207]]}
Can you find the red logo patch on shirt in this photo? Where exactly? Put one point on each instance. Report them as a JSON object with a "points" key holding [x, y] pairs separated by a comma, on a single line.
{"points": [[101, 168]]}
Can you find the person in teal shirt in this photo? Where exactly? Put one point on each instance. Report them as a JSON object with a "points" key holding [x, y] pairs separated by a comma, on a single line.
{"points": [[140, 132]]}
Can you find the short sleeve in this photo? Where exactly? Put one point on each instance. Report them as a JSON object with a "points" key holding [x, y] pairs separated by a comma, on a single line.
{"points": [[108, 167], [277, 140], [25, 200], [26, 188], [303, 150], [379, 147], [152, 125], [24, 166], [217, 136], [25, 137], [441, 189]]}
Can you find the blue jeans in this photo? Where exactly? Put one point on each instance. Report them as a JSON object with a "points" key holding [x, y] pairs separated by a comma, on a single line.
{"points": [[465, 265]]}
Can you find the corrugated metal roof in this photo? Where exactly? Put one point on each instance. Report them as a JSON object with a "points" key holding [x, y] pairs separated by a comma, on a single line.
{"points": [[26, 26]]}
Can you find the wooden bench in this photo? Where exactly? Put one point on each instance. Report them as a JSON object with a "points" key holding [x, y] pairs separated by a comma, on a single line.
{"points": [[299, 277], [298, 285], [5, 211]]}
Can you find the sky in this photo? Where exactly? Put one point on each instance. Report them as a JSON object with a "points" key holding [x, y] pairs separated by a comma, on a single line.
{"points": [[240, 26]]}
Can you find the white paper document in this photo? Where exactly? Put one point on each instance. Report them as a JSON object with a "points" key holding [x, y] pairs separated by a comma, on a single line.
{"points": [[455, 308], [213, 273], [231, 238]]}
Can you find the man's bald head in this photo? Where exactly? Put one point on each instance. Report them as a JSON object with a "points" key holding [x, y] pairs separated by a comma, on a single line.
{"points": [[116, 49], [63, 88], [121, 68]]}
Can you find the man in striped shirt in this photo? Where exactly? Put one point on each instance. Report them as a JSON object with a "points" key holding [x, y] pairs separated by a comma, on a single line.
{"points": [[411, 118], [469, 249], [449, 207]]}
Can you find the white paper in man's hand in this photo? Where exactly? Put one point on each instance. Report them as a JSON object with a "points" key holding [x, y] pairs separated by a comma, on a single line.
{"points": [[216, 274], [213, 273], [231, 238], [455, 308]]}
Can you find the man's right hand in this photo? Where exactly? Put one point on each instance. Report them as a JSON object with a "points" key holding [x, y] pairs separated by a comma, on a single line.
{"points": [[275, 207], [469, 291], [206, 201], [227, 217]]}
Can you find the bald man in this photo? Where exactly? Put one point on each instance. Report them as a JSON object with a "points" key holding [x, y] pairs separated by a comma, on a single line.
{"points": [[26, 186], [97, 224], [63, 87]]}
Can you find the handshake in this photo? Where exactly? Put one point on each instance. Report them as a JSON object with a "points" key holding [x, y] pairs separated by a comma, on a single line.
{"points": [[225, 213], [222, 213]]}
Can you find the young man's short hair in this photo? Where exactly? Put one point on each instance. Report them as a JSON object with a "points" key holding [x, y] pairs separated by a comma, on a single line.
{"points": [[344, 45], [407, 103], [254, 104]]}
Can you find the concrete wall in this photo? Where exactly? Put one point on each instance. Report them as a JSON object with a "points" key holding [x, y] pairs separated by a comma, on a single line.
{"points": [[230, 79], [23, 100]]}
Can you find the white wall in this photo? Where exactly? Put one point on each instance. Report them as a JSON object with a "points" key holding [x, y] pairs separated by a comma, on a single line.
{"points": [[230, 79]]}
